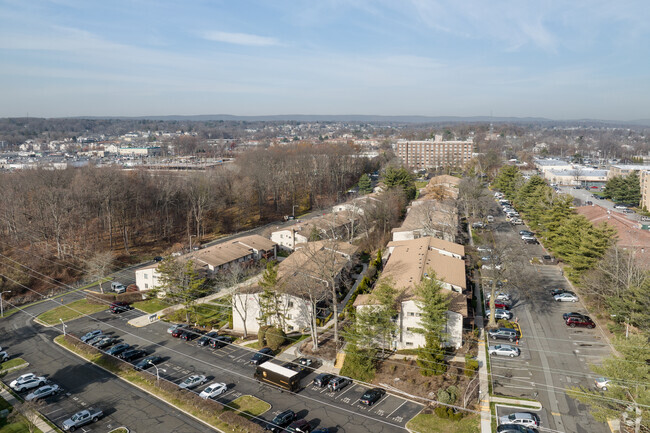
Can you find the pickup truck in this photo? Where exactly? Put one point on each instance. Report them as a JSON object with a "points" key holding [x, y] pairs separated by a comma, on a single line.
{"points": [[82, 418]]}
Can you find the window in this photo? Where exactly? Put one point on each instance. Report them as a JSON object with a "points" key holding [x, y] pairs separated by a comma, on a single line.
{"points": [[289, 317], [408, 343], [410, 314], [146, 286], [290, 304], [146, 276]]}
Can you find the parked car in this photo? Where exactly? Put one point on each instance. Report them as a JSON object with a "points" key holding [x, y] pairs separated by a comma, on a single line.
{"points": [[620, 206], [147, 362], [628, 211], [478, 225], [583, 321], [190, 334], [516, 221], [82, 418], [26, 383], [92, 334], [3, 356], [176, 333], [205, 339], [482, 249], [527, 419], [213, 390], [193, 381], [503, 334], [504, 350], [120, 307], [322, 379], [526, 233], [299, 426], [372, 396], [262, 355], [305, 364], [158, 259], [321, 430], [95, 339], [281, 420], [338, 383], [560, 291], [117, 349], [173, 328], [500, 314], [500, 296], [602, 383], [42, 392], [499, 305], [132, 354], [515, 428], [565, 316], [105, 342], [566, 297], [221, 341]]}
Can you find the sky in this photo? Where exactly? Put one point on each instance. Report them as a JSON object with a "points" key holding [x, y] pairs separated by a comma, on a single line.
{"points": [[555, 59]]}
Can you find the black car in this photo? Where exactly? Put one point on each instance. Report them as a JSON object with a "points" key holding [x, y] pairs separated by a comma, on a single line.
{"points": [[526, 233], [560, 291], [299, 426], [205, 340], [281, 420], [106, 342], [371, 396], [262, 355], [323, 379], [132, 354], [514, 428], [120, 307], [158, 259], [220, 341], [117, 349], [190, 334], [148, 362], [96, 339], [565, 316]]}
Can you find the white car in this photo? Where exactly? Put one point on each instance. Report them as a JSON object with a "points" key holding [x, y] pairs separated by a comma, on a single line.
{"points": [[213, 390], [500, 296], [484, 249], [602, 383], [42, 392], [27, 381], [527, 419], [3, 356], [504, 350], [620, 206], [565, 297], [490, 266], [175, 327], [90, 335], [500, 314], [193, 381]]}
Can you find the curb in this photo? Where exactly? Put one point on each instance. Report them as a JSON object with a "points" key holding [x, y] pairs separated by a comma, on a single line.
{"points": [[141, 389], [515, 403], [23, 365]]}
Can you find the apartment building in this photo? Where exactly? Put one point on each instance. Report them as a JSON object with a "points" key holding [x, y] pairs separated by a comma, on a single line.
{"points": [[424, 154]]}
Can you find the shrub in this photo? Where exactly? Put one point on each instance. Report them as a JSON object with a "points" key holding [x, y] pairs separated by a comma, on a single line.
{"points": [[275, 337], [471, 365], [108, 298], [132, 288], [444, 397], [239, 423], [453, 393], [261, 335], [448, 412], [359, 364]]}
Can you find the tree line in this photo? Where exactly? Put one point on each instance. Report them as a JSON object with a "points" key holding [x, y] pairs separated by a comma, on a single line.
{"points": [[54, 221]]}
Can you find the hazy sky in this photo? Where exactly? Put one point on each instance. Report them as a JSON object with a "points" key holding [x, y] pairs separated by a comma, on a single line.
{"points": [[557, 59]]}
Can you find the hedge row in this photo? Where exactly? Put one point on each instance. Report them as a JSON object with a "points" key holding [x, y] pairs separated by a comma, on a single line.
{"points": [[109, 298]]}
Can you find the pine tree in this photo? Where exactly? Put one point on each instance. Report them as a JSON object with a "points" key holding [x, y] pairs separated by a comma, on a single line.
{"points": [[365, 184]]}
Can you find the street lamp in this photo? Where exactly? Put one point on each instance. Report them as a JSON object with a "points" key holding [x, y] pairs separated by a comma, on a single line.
{"points": [[2, 311], [157, 372], [63, 325], [293, 210]]}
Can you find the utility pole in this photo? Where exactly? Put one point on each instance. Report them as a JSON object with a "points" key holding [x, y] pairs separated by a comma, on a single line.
{"points": [[2, 311], [63, 325]]}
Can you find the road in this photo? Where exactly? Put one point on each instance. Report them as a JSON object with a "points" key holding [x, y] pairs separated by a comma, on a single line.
{"points": [[583, 195], [554, 356], [83, 384], [340, 411]]}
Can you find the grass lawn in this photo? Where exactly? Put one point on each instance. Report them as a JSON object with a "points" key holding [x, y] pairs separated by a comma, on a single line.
{"points": [[152, 305], [12, 363], [421, 183], [70, 311], [10, 427], [432, 423], [204, 314], [249, 406], [119, 430]]}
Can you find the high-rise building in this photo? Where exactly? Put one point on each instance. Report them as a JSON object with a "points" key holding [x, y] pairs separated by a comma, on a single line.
{"points": [[435, 153]]}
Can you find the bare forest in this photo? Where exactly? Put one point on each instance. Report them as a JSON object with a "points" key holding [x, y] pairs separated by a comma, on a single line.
{"points": [[53, 223]]}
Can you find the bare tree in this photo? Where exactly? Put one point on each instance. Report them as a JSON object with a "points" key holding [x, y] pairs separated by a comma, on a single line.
{"points": [[99, 266], [27, 414]]}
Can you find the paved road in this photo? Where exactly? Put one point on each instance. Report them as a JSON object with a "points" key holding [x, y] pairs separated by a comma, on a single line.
{"points": [[583, 195], [84, 384], [554, 356], [340, 411]]}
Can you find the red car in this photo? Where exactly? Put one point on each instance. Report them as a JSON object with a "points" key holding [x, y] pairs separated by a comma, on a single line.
{"points": [[498, 304], [583, 321], [178, 332]]}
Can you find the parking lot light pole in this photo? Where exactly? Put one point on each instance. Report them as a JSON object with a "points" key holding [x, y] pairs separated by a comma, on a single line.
{"points": [[157, 372], [63, 325], [2, 310]]}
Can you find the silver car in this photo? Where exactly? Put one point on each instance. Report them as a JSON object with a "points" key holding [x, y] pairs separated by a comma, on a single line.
{"points": [[42, 392], [193, 381], [566, 297], [504, 350], [500, 314]]}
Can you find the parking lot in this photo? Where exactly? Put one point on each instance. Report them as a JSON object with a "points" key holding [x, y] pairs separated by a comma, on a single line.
{"points": [[231, 364], [553, 356]]}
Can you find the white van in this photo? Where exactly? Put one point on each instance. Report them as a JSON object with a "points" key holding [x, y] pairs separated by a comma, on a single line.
{"points": [[118, 287]]}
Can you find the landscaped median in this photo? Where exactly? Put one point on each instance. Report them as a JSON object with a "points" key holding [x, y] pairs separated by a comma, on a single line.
{"points": [[13, 364], [432, 423], [70, 311], [208, 411]]}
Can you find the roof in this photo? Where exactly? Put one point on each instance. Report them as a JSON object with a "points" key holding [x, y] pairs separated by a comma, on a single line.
{"points": [[631, 167], [427, 213], [435, 243], [581, 172], [457, 303], [325, 223], [220, 254], [412, 259], [629, 234], [444, 178], [256, 242], [550, 162]]}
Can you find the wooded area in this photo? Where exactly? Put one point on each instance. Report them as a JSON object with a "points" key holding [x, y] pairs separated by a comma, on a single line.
{"points": [[55, 221]]}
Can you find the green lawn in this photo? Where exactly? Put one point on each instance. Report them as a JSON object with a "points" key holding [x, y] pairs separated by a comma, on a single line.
{"points": [[249, 406], [70, 311], [204, 314], [11, 427], [432, 423], [152, 305], [421, 183], [12, 363]]}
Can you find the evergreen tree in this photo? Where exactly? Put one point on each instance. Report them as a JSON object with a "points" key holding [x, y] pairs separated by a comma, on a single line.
{"points": [[270, 301], [365, 184], [433, 305], [181, 282], [508, 181], [400, 178]]}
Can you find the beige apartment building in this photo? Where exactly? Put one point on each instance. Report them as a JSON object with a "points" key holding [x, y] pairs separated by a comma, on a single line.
{"points": [[434, 153]]}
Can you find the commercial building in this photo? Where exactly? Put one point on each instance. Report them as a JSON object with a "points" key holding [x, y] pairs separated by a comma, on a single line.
{"points": [[434, 153]]}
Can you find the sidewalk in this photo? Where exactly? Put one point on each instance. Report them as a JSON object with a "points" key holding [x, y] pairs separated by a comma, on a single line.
{"points": [[39, 422]]}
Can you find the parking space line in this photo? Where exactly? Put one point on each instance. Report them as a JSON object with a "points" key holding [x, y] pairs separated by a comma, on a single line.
{"points": [[341, 394], [390, 414]]}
